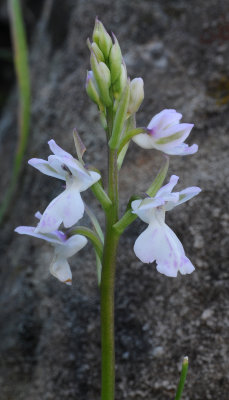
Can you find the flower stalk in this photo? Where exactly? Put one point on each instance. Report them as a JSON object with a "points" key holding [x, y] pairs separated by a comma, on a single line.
{"points": [[108, 283]]}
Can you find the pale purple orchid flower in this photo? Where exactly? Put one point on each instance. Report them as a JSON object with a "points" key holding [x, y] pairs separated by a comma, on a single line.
{"points": [[64, 248], [158, 242], [68, 207], [167, 134]]}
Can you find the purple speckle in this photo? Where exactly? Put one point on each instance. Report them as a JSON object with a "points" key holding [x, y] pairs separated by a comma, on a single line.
{"points": [[151, 132], [61, 235]]}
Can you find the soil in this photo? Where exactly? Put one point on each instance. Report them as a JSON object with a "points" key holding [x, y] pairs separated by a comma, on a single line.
{"points": [[49, 332]]}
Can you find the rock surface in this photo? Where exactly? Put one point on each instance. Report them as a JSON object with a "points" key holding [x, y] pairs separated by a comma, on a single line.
{"points": [[50, 333]]}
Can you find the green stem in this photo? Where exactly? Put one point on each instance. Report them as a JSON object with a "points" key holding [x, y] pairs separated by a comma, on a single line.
{"points": [[183, 375], [108, 284]]}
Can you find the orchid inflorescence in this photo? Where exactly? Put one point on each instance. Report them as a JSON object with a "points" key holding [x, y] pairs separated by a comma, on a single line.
{"points": [[118, 99]]}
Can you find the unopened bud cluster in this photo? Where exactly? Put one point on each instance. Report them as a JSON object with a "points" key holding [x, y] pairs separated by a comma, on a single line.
{"points": [[107, 83]]}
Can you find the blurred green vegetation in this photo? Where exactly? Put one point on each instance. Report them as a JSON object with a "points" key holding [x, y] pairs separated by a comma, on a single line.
{"points": [[22, 72]]}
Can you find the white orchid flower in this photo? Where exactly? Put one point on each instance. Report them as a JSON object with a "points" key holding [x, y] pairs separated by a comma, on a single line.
{"points": [[158, 242], [165, 133], [64, 248], [68, 207]]}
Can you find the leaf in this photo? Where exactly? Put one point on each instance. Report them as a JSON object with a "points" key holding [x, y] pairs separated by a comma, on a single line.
{"points": [[22, 71], [158, 181], [80, 148]]}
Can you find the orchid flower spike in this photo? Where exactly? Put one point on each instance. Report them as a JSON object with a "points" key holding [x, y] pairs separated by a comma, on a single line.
{"points": [[68, 207], [158, 242], [64, 248], [165, 133]]}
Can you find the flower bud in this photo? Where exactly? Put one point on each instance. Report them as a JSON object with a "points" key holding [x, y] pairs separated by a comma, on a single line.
{"points": [[93, 47], [102, 38], [91, 88], [97, 52], [115, 60], [136, 95], [102, 78], [121, 82], [105, 72]]}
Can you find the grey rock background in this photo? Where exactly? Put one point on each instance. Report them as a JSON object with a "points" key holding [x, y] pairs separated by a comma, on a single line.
{"points": [[50, 333]]}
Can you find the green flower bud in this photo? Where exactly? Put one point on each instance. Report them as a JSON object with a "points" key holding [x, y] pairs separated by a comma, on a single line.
{"points": [[102, 78], [102, 38], [97, 52], [93, 47], [105, 72], [136, 95], [115, 60], [120, 84], [91, 88]]}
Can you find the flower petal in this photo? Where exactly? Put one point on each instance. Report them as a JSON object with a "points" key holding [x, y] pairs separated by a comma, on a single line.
{"points": [[163, 120], [184, 195], [173, 136], [61, 270], [44, 167], [68, 208], [167, 189], [66, 165], [182, 149], [144, 140], [72, 167], [31, 231], [89, 180], [158, 242], [71, 246], [57, 150], [145, 208]]}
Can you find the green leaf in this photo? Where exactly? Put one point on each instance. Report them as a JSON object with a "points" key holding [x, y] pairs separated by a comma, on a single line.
{"points": [[120, 117], [158, 181], [95, 223], [80, 148], [121, 155]]}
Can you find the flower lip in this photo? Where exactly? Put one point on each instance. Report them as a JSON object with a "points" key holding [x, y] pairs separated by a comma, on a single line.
{"points": [[158, 242]]}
